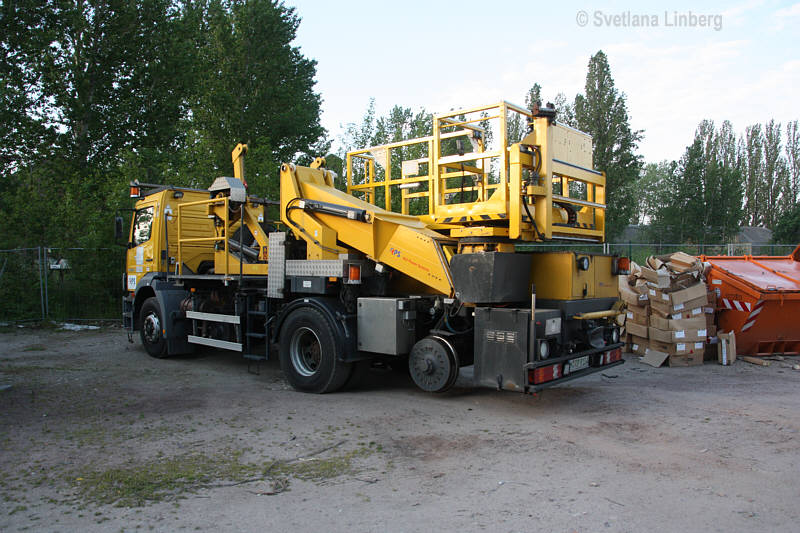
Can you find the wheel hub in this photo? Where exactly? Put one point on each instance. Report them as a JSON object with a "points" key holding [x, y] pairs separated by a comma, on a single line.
{"points": [[433, 364], [152, 328], [305, 351]]}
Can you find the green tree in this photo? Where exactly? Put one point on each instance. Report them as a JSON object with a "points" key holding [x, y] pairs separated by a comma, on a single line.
{"points": [[252, 86], [602, 112], [700, 199], [775, 179], [752, 148], [792, 148], [787, 229], [655, 178]]}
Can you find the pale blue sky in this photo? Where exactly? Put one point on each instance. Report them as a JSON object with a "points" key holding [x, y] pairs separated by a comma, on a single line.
{"points": [[441, 55]]}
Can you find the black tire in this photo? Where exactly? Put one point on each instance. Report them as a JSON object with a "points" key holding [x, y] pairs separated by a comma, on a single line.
{"points": [[308, 353], [151, 327]]}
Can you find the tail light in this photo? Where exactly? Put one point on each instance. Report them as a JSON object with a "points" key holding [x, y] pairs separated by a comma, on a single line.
{"points": [[611, 356], [544, 374]]}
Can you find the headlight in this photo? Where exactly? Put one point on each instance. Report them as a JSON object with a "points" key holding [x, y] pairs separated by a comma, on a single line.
{"points": [[544, 350], [614, 335], [583, 263]]}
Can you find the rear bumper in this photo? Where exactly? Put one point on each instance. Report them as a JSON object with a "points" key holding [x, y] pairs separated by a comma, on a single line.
{"points": [[576, 375], [597, 358]]}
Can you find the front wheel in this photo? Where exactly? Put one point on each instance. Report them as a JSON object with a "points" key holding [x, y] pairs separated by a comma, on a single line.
{"points": [[151, 328], [308, 353]]}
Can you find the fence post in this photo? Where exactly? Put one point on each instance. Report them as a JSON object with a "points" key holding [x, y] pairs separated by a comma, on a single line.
{"points": [[41, 283], [46, 275]]}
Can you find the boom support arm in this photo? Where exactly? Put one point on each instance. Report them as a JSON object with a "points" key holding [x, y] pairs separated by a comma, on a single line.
{"points": [[399, 241]]}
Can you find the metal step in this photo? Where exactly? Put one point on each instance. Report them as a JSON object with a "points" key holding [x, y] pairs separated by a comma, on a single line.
{"points": [[216, 343], [212, 317], [254, 357], [256, 335]]}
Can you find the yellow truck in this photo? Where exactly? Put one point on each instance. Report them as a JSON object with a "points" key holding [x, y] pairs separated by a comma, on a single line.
{"points": [[437, 278]]}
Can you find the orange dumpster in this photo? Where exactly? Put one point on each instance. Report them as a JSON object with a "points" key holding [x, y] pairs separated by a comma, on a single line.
{"points": [[759, 300]]}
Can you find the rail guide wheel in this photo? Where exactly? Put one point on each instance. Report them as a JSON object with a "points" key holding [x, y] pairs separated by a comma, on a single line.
{"points": [[433, 364]]}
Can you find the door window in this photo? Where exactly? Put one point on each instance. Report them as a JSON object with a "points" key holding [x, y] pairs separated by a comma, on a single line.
{"points": [[142, 225]]}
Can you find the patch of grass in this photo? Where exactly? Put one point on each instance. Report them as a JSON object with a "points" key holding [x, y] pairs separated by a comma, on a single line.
{"points": [[159, 479], [318, 469], [163, 478], [18, 509]]}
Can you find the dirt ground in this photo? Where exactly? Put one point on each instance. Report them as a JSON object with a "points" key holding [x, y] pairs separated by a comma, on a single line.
{"points": [[97, 436]]}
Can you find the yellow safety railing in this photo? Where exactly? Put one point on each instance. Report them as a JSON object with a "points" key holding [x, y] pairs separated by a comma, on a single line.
{"points": [[545, 171]]}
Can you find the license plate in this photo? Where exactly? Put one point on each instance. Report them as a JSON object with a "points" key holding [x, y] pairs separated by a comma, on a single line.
{"points": [[578, 364]]}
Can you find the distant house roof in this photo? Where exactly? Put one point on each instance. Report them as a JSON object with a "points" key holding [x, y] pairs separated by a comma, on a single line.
{"points": [[754, 235]]}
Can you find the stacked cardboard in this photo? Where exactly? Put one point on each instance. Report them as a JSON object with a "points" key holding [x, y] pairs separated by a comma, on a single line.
{"points": [[667, 310]]}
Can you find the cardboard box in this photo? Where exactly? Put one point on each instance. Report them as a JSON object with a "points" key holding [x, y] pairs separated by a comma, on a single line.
{"points": [[636, 315], [675, 348], [628, 295], [666, 309], [688, 294], [693, 359], [640, 286], [637, 345], [681, 262], [660, 278], [681, 335], [658, 295], [726, 351], [696, 322], [636, 329], [711, 330], [654, 357]]}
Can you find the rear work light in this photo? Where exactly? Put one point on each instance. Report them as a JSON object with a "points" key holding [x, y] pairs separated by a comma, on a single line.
{"points": [[544, 374], [134, 191], [354, 274], [621, 266]]}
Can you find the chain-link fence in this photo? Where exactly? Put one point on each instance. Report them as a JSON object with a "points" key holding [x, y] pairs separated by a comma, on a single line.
{"points": [[60, 283], [638, 252], [86, 283]]}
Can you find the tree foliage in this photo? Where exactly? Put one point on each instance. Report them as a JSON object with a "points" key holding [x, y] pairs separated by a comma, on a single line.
{"points": [[95, 94], [602, 112]]}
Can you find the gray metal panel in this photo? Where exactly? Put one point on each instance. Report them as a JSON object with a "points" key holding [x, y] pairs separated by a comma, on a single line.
{"points": [[502, 340], [316, 267], [492, 277], [226, 345], [382, 327], [213, 317], [276, 274]]}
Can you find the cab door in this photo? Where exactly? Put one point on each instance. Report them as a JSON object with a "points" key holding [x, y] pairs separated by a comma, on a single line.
{"points": [[143, 245]]}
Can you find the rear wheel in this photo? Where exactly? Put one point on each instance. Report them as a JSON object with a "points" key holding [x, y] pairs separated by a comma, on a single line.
{"points": [[308, 353], [151, 328]]}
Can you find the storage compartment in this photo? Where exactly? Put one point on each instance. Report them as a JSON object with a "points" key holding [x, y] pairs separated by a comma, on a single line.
{"points": [[386, 325]]}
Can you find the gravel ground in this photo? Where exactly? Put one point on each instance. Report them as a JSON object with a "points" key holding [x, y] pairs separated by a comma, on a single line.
{"points": [[97, 436]]}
